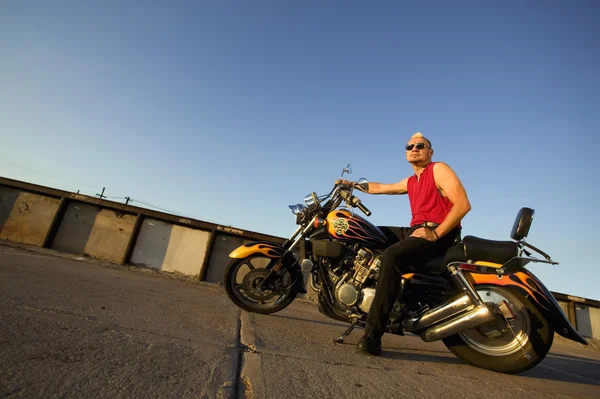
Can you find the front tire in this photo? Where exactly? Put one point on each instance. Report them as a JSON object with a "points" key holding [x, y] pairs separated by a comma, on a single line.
{"points": [[237, 285], [504, 349]]}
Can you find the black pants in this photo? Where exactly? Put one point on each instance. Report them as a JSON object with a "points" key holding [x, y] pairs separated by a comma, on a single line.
{"points": [[397, 260]]}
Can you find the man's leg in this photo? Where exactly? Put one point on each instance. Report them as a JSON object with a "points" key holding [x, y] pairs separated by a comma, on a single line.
{"points": [[406, 252]]}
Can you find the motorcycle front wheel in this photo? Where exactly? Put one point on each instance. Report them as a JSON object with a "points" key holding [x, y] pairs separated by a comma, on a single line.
{"points": [[509, 345], [243, 279]]}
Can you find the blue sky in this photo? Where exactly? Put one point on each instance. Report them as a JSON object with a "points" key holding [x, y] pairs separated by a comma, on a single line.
{"points": [[228, 111]]}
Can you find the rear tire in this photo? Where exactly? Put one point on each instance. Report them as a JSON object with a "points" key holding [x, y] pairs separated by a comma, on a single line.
{"points": [[505, 354], [235, 290]]}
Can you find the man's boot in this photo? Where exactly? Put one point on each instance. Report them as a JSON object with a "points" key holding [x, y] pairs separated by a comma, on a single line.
{"points": [[369, 344]]}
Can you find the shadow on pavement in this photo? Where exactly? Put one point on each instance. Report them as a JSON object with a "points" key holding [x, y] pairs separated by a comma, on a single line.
{"points": [[555, 367], [567, 368]]}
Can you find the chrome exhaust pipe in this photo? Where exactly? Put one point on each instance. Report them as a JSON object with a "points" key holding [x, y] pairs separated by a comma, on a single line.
{"points": [[438, 314], [481, 314]]}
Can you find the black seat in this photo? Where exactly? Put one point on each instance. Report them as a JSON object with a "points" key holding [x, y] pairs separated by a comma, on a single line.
{"points": [[479, 249]]}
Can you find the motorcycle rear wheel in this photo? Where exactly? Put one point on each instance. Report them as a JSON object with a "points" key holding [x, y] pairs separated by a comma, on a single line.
{"points": [[529, 333], [237, 284]]}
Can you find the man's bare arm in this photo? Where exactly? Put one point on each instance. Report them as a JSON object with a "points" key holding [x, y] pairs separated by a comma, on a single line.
{"points": [[400, 187], [450, 185]]}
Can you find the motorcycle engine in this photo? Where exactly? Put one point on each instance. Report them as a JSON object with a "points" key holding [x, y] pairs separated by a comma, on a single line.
{"points": [[349, 289]]}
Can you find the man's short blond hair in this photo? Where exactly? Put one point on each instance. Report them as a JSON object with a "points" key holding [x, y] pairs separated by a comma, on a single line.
{"points": [[419, 135]]}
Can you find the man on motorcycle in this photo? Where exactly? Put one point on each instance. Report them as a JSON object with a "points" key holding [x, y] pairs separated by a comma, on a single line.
{"points": [[438, 203]]}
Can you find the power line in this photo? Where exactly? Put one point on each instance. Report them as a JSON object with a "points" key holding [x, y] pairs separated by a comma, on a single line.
{"points": [[101, 195], [45, 174], [154, 206]]}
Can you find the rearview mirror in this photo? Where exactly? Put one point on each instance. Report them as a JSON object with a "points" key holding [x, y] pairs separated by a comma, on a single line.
{"points": [[347, 169]]}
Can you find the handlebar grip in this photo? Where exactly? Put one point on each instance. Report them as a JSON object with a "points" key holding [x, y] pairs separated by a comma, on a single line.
{"points": [[363, 208]]}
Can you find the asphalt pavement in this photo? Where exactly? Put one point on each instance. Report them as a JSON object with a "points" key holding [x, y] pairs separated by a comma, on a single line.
{"points": [[74, 327]]}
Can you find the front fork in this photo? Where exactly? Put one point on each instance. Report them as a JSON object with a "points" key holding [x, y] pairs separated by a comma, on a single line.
{"points": [[289, 245]]}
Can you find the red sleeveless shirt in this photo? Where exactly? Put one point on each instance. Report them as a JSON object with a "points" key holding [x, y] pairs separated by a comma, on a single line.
{"points": [[426, 202]]}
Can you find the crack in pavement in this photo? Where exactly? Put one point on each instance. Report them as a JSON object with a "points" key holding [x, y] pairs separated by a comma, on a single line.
{"points": [[231, 388]]}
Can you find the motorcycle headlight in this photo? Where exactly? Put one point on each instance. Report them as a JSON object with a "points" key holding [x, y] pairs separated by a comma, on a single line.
{"points": [[311, 199], [297, 209]]}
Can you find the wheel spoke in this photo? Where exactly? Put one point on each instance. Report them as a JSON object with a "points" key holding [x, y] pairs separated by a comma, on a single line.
{"points": [[245, 287], [511, 340]]}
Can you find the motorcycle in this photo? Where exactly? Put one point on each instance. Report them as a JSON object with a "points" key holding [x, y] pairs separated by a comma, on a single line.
{"points": [[479, 299]]}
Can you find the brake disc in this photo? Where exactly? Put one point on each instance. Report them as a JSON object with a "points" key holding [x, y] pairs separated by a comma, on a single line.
{"points": [[253, 280]]}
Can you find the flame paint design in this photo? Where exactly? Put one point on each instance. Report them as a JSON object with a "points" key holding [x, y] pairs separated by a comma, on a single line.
{"points": [[263, 247], [537, 292], [524, 280], [354, 228]]}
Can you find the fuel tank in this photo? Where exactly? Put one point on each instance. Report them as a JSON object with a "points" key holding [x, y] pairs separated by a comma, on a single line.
{"points": [[351, 228]]}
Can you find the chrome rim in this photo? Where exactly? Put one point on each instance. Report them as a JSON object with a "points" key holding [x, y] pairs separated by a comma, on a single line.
{"points": [[506, 340], [243, 267]]}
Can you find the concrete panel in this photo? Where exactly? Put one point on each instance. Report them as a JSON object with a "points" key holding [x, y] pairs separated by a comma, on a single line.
{"points": [[110, 235], [595, 321], [186, 251], [90, 230], [584, 322], [151, 246], [75, 228], [8, 197], [30, 217], [224, 244]]}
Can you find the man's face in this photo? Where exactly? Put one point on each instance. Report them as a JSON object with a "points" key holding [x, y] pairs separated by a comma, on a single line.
{"points": [[419, 150]]}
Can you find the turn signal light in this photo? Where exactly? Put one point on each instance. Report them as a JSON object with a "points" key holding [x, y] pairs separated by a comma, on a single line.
{"points": [[319, 222]]}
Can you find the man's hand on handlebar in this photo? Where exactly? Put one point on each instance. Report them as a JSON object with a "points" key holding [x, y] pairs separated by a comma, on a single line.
{"points": [[348, 183]]}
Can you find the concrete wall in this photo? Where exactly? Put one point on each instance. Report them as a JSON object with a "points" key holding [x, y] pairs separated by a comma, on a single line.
{"points": [[595, 321], [223, 246], [169, 247], [8, 197], [90, 230], [584, 322], [25, 217]]}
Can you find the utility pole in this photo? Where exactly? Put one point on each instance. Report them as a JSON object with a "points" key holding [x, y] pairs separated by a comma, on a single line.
{"points": [[128, 199], [102, 195]]}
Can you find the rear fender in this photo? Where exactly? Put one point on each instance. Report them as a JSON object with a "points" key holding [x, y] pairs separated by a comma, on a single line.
{"points": [[538, 294], [273, 251]]}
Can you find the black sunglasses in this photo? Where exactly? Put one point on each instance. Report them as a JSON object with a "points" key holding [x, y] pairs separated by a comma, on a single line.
{"points": [[420, 146]]}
